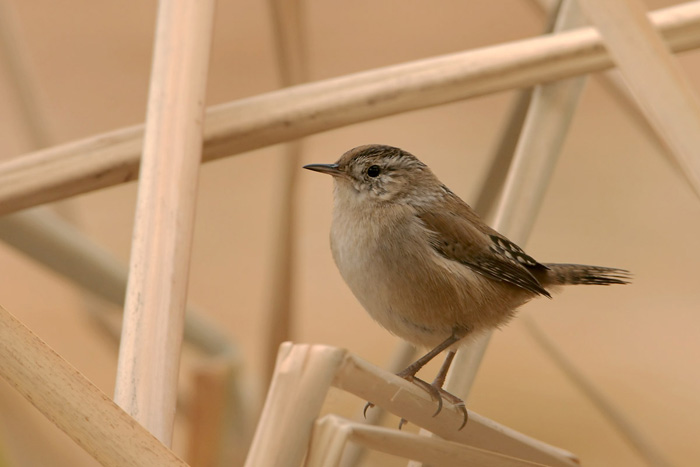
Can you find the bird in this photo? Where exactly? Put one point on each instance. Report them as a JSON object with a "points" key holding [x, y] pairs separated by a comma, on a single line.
{"points": [[424, 265]]}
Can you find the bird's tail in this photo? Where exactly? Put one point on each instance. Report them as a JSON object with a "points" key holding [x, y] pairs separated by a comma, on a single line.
{"points": [[573, 274]]}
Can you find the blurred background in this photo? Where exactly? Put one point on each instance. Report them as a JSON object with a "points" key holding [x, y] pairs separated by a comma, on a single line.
{"points": [[615, 200]]}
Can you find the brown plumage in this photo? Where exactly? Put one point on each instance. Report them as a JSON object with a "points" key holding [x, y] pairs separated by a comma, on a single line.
{"points": [[422, 262]]}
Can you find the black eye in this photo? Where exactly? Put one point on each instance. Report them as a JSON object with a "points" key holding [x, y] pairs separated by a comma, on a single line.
{"points": [[373, 170]]}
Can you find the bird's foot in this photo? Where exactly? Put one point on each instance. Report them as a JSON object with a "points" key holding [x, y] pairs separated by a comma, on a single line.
{"points": [[437, 393]]}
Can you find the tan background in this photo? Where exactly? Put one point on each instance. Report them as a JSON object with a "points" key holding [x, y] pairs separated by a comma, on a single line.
{"points": [[614, 200]]}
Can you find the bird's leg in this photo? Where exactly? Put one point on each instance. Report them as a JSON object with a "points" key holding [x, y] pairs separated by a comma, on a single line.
{"points": [[409, 373], [439, 381], [442, 374]]}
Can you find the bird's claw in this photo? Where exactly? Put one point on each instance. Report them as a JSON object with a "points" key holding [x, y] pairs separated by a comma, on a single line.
{"points": [[459, 405], [368, 405], [434, 392], [465, 415]]}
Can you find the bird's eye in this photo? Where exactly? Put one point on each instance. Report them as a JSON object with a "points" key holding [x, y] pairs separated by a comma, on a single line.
{"points": [[373, 171]]}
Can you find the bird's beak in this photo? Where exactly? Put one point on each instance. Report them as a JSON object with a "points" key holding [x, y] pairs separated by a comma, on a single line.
{"points": [[330, 169]]}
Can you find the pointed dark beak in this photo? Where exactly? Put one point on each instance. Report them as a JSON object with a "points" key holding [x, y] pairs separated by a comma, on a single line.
{"points": [[330, 169]]}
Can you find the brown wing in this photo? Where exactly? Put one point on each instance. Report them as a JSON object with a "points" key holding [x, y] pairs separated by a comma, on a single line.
{"points": [[459, 235]]}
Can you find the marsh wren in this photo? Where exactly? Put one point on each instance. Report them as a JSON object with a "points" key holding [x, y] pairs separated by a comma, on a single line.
{"points": [[423, 264]]}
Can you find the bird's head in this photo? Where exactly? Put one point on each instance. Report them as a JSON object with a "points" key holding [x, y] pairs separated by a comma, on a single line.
{"points": [[381, 174]]}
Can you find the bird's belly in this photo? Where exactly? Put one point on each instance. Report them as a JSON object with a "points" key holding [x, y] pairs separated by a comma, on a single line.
{"points": [[412, 291]]}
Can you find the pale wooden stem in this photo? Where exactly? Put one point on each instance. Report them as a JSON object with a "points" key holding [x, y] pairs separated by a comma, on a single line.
{"points": [[287, 20], [149, 354], [303, 376], [280, 116], [519, 219], [299, 385], [403, 355], [547, 121], [618, 90], [495, 177], [279, 319], [539, 142], [545, 127], [74, 404], [522, 197], [415, 405], [497, 172], [333, 435], [654, 77]]}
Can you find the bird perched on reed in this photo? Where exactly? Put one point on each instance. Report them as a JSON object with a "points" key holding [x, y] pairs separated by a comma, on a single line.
{"points": [[422, 262]]}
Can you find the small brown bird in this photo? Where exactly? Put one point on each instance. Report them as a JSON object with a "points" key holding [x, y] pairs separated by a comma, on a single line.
{"points": [[423, 264]]}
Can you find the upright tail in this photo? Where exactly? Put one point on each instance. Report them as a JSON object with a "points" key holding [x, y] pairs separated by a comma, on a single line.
{"points": [[573, 274]]}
